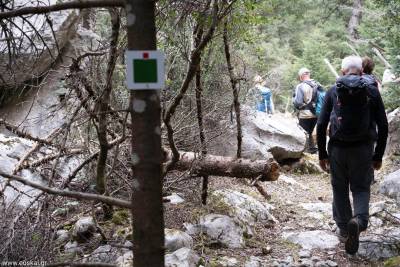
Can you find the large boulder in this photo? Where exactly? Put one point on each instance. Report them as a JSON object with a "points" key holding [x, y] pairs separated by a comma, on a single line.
{"points": [[220, 229], [263, 136], [390, 185], [242, 206], [393, 146]]}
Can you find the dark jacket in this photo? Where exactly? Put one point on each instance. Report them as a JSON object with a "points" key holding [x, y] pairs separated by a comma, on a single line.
{"points": [[378, 126]]}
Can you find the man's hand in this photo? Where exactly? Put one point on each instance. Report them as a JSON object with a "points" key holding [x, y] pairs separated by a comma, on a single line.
{"points": [[377, 165], [324, 163]]}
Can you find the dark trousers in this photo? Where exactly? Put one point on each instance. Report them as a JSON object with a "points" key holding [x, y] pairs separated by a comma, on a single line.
{"points": [[308, 125], [351, 167]]}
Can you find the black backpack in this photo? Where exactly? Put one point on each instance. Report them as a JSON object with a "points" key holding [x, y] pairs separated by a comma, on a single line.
{"points": [[351, 114]]}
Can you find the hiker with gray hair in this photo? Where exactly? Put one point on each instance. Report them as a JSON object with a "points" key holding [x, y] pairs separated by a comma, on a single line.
{"points": [[357, 118], [305, 101]]}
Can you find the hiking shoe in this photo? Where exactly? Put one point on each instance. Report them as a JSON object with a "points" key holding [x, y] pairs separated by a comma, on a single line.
{"points": [[341, 234], [352, 241]]}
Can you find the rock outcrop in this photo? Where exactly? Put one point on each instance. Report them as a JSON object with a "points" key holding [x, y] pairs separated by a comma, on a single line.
{"points": [[390, 186], [393, 146]]}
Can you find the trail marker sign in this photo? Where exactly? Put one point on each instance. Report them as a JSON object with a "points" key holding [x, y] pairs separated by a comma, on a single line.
{"points": [[144, 69]]}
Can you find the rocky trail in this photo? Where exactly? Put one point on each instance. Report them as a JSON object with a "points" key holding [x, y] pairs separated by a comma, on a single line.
{"points": [[239, 227]]}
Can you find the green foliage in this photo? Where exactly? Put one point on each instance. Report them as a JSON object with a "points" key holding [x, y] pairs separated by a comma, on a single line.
{"points": [[120, 217], [392, 262]]}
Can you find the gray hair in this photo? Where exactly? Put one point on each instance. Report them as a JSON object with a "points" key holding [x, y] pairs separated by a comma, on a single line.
{"points": [[352, 62]]}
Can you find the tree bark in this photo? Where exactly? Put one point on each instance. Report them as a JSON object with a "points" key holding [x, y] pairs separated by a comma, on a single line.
{"points": [[234, 81], [104, 104], [355, 19], [145, 109], [227, 166]]}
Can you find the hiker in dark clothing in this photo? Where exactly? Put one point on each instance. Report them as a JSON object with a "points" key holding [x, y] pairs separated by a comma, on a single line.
{"points": [[357, 118]]}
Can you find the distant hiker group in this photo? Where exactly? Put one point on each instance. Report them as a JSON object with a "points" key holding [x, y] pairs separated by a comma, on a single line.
{"points": [[358, 131]]}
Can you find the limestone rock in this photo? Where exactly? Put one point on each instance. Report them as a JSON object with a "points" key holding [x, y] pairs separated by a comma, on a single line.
{"points": [[62, 236], [393, 146], [175, 239], [254, 262], [126, 260], [390, 186], [103, 254], [242, 206], [312, 239], [319, 207], [263, 135], [378, 247], [174, 199], [73, 248], [84, 228], [221, 229], [183, 257], [225, 262]]}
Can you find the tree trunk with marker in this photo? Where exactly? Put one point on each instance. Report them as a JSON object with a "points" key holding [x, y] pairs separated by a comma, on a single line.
{"points": [[147, 205]]}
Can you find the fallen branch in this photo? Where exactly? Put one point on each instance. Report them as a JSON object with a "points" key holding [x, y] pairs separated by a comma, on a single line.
{"points": [[227, 166], [72, 194], [61, 6]]}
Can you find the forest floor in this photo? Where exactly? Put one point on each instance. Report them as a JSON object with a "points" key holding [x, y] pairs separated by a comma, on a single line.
{"points": [[286, 197]]}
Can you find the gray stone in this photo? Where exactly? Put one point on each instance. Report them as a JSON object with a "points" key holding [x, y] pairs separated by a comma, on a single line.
{"points": [[331, 263], [379, 247], [225, 261], [262, 135], [243, 207], [254, 262], [176, 239], [221, 229], [390, 186], [376, 207], [312, 239], [104, 254], [304, 253], [84, 228], [175, 199], [321, 207], [73, 248], [126, 260], [393, 146], [306, 263], [62, 236], [291, 181], [183, 257], [59, 212]]}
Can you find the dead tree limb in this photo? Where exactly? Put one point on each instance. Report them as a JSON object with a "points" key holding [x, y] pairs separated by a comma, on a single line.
{"points": [[72, 194], [227, 166], [81, 4]]}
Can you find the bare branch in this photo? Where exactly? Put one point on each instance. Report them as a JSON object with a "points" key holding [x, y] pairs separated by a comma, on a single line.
{"points": [[62, 6], [72, 194]]}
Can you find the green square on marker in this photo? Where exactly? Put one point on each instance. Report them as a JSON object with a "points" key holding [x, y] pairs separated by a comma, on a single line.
{"points": [[145, 70]]}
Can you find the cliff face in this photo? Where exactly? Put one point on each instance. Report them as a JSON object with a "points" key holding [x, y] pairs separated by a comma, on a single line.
{"points": [[30, 46]]}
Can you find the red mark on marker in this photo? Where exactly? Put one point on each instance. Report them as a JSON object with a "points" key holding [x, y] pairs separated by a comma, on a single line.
{"points": [[145, 55]]}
